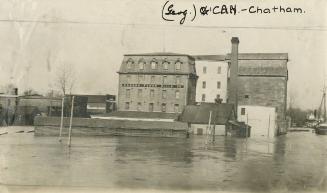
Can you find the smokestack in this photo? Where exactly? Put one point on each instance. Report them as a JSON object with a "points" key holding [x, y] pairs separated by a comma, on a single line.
{"points": [[233, 94]]}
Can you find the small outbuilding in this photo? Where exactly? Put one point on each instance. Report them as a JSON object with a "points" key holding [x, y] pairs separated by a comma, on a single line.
{"points": [[198, 116]]}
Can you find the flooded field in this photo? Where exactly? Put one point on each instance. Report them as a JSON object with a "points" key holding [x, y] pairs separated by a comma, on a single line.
{"points": [[293, 162]]}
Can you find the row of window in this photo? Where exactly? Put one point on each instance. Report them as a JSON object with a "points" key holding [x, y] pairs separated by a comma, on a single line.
{"points": [[154, 64], [153, 79], [151, 106], [204, 70], [140, 93], [204, 84], [203, 98]]}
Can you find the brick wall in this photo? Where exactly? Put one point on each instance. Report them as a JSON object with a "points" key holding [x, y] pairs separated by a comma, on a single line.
{"points": [[145, 98], [264, 91]]}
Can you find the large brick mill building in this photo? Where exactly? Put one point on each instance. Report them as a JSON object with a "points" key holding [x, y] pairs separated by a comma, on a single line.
{"points": [[256, 85], [156, 82]]}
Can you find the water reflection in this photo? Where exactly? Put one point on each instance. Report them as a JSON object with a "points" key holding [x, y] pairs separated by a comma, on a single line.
{"points": [[296, 161]]}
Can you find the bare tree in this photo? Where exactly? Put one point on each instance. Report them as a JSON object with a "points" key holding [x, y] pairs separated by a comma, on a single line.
{"points": [[65, 78]]}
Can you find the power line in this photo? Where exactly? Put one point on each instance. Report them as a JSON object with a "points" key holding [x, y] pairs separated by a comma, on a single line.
{"points": [[303, 28]]}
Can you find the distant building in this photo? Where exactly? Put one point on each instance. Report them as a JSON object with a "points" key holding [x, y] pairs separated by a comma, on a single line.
{"points": [[156, 82], [212, 82], [197, 117], [30, 106], [99, 104], [46, 105]]}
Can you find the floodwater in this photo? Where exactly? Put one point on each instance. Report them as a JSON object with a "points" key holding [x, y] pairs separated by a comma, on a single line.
{"points": [[293, 162]]}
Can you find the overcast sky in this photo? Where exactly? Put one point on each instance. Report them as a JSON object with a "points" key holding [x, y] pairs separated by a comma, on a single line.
{"points": [[93, 35]]}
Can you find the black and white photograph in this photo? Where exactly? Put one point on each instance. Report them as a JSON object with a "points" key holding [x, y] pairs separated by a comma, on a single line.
{"points": [[163, 96]]}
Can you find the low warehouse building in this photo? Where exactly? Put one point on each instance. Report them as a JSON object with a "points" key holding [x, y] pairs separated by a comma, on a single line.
{"points": [[197, 117]]}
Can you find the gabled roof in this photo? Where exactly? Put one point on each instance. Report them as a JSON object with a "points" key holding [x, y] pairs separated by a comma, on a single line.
{"points": [[255, 64], [260, 56], [243, 56], [263, 68], [199, 114]]}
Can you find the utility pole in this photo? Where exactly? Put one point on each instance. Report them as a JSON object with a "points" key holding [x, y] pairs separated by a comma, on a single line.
{"points": [[70, 123], [209, 128], [62, 117]]}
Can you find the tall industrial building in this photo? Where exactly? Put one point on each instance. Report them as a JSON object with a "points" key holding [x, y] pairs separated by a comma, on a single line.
{"points": [[156, 82]]}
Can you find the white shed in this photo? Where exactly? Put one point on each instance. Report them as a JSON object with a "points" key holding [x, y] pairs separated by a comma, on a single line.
{"points": [[262, 120]]}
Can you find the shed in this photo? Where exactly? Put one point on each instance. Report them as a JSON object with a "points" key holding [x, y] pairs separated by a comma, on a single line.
{"points": [[197, 117]]}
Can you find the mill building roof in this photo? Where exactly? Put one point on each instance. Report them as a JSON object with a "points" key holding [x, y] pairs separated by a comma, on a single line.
{"points": [[165, 63], [255, 64]]}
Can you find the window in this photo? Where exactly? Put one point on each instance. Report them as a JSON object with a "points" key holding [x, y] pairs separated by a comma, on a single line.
{"points": [[242, 111], [151, 93], [164, 80], [203, 97], [139, 93], [178, 65], [164, 94], [204, 84], [246, 96], [177, 94], [219, 70], [127, 105], [218, 84], [176, 108], [129, 63], [151, 105], [153, 78], [153, 64], [141, 65], [139, 106], [178, 80], [165, 65], [128, 93], [204, 69], [163, 107]]}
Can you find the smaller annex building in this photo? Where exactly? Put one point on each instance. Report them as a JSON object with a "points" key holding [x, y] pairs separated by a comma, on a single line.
{"points": [[197, 117]]}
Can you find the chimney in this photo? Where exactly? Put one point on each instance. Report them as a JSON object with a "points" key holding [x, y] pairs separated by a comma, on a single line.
{"points": [[233, 79]]}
